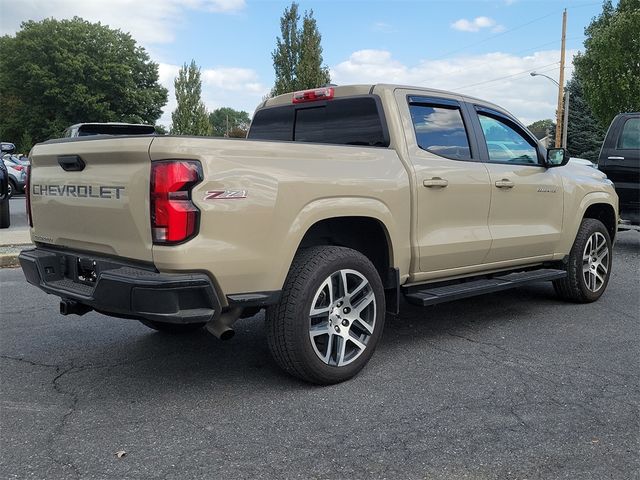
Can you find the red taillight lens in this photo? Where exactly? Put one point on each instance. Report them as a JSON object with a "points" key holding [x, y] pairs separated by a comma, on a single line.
{"points": [[174, 217], [313, 95], [18, 167], [27, 195]]}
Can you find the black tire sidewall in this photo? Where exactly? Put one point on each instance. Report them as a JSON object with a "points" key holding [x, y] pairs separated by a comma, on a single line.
{"points": [[316, 367]]}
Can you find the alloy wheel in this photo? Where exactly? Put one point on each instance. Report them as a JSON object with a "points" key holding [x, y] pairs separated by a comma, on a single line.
{"points": [[595, 262], [342, 317]]}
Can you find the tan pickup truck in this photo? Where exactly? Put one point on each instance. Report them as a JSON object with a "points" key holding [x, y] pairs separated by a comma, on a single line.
{"points": [[341, 200]]}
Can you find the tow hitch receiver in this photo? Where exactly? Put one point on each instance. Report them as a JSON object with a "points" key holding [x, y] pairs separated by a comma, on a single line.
{"points": [[86, 268]]}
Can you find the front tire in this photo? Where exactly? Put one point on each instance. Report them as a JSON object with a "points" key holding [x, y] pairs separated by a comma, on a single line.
{"points": [[172, 328], [330, 316], [589, 266]]}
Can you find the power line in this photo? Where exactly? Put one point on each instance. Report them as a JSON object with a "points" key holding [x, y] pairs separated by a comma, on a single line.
{"points": [[507, 76], [517, 27], [484, 64]]}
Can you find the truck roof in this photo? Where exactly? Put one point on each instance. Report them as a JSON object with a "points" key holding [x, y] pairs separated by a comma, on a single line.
{"points": [[369, 88]]}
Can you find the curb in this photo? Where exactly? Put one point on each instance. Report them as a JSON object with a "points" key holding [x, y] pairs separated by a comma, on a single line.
{"points": [[10, 259]]}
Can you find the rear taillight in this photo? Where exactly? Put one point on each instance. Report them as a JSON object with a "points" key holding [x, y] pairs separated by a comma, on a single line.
{"points": [[19, 168], [27, 194], [174, 217]]}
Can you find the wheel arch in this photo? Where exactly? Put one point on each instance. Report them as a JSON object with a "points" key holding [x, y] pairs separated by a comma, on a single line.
{"points": [[365, 234], [605, 213]]}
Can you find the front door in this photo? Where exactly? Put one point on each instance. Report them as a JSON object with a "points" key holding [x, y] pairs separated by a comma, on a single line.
{"points": [[525, 218]]}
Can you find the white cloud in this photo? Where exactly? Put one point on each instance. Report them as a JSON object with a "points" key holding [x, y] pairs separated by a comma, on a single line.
{"points": [[382, 27], [477, 24], [526, 97], [148, 21], [235, 87]]}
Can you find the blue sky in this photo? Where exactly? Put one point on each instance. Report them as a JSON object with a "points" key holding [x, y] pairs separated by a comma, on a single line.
{"points": [[483, 48]]}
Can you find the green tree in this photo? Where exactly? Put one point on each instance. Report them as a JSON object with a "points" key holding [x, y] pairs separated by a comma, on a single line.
{"points": [[25, 143], [190, 116], [609, 68], [161, 129], [226, 121], [585, 133], [55, 73], [297, 59], [542, 128]]}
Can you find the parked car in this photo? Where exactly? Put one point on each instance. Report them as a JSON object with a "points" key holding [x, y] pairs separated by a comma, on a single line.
{"points": [[5, 218], [17, 177], [17, 159], [340, 201], [108, 128], [620, 160]]}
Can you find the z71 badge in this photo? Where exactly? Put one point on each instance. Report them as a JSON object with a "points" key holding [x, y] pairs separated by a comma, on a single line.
{"points": [[225, 194]]}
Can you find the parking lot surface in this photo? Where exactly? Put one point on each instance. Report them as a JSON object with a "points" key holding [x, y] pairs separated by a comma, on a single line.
{"points": [[514, 385]]}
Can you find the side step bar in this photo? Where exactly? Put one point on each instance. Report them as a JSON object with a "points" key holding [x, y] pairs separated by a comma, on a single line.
{"points": [[431, 295]]}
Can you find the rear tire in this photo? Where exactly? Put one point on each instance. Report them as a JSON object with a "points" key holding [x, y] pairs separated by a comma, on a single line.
{"points": [[589, 266], [330, 317], [172, 328]]}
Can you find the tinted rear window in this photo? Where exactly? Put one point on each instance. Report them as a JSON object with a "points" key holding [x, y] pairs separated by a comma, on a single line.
{"points": [[272, 124], [630, 137], [351, 121], [440, 129], [85, 130]]}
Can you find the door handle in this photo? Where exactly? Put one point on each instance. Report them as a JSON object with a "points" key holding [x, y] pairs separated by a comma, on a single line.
{"points": [[435, 182], [504, 183], [71, 163], [616, 158]]}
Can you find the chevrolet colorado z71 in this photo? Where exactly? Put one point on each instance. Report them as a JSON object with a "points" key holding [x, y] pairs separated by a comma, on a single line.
{"points": [[340, 200]]}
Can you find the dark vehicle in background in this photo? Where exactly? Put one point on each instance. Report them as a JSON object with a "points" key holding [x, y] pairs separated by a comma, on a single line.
{"points": [[4, 187], [109, 128], [620, 160]]}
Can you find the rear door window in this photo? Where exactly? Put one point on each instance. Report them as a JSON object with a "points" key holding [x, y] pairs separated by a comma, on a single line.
{"points": [[440, 129]]}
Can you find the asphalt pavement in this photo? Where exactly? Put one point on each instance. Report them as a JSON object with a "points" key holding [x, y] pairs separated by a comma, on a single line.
{"points": [[513, 385]]}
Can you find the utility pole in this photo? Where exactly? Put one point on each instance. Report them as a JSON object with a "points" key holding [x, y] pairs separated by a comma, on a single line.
{"points": [[559, 113]]}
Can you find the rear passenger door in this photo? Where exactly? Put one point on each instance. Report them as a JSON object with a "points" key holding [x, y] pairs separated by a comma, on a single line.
{"points": [[451, 183], [525, 218]]}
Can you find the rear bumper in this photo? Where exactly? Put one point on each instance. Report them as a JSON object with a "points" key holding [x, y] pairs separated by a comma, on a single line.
{"points": [[122, 289]]}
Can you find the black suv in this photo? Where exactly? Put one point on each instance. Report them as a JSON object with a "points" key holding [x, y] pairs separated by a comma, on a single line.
{"points": [[620, 160]]}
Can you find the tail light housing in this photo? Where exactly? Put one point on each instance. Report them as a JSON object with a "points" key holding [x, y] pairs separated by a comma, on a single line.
{"points": [[313, 95], [27, 194], [174, 217]]}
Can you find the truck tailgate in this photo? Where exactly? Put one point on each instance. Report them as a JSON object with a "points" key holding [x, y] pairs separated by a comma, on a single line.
{"points": [[93, 195]]}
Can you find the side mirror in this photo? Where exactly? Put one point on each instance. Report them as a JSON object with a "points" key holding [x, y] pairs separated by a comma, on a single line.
{"points": [[7, 147], [557, 157]]}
